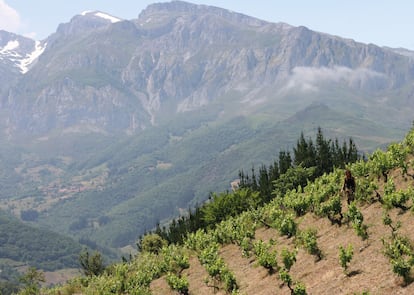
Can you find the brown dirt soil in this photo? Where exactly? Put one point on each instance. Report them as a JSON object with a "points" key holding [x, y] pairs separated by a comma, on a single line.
{"points": [[369, 270]]}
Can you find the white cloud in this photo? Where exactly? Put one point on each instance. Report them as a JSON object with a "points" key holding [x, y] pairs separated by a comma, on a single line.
{"points": [[307, 79], [9, 18]]}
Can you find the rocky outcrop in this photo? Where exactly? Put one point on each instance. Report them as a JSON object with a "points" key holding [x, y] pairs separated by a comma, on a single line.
{"points": [[177, 57]]}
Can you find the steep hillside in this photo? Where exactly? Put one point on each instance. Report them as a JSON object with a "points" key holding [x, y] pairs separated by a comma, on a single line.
{"points": [[22, 246], [154, 176], [294, 242]]}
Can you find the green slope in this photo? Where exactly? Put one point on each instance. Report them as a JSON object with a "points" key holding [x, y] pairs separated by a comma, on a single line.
{"points": [[157, 174]]}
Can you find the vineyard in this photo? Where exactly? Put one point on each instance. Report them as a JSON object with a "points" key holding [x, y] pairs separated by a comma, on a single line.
{"points": [[307, 241]]}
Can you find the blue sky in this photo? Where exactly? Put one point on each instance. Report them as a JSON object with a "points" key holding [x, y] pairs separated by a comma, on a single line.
{"points": [[382, 22]]}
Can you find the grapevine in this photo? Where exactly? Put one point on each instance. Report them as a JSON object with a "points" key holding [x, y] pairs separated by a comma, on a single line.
{"points": [[345, 256], [308, 240], [266, 257], [356, 218], [400, 252]]}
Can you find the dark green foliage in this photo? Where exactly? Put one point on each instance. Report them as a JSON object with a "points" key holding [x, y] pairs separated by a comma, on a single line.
{"points": [[39, 248], [322, 157], [91, 264], [225, 205], [177, 229], [285, 161], [29, 215], [293, 178], [304, 152], [324, 162], [325, 153], [152, 243]]}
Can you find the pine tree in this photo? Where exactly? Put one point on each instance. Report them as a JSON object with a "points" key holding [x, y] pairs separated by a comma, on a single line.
{"points": [[274, 171], [304, 153], [264, 184], [301, 151], [352, 155], [285, 161], [323, 154]]}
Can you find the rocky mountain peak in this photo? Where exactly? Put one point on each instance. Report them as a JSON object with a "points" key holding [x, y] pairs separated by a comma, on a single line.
{"points": [[10, 42], [174, 8], [18, 53], [85, 22]]}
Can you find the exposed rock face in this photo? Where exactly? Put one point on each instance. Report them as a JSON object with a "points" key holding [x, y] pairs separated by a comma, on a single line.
{"points": [[127, 75]]}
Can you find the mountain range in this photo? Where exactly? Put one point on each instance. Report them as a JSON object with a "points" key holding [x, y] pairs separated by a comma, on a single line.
{"points": [[109, 126]]}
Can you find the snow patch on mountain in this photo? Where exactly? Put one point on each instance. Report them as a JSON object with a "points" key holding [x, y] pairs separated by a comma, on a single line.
{"points": [[111, 18], [11, 45], [31, 57], [21, 61]]}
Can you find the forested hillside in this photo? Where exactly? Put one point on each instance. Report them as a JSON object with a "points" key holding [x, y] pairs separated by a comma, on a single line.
{"points": [[22, 245], [306, 240]]}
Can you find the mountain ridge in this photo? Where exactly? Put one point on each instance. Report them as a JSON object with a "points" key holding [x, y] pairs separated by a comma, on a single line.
{"points": [[197, 57]]}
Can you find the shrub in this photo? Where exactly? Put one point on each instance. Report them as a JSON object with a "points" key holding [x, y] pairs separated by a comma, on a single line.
{"points": [[178, 283], [400, 252], [355, 216], [345, 256], [288, 258], [265, 256], [152, 243], [307, 239], [92, 265]]}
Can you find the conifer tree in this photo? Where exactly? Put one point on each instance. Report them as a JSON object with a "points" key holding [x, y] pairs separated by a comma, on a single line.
{"points": [[264, 183], [304, 153], [274, 171], [300, 151], [285, 161], [323, 154]]}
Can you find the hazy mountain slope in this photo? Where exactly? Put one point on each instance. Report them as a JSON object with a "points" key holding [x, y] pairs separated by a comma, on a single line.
{"points": [[24, 245], [153, 178], [177, 57]]}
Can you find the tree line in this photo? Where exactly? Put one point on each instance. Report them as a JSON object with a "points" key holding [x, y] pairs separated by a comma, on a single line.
{"points": [[308, 160]]}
